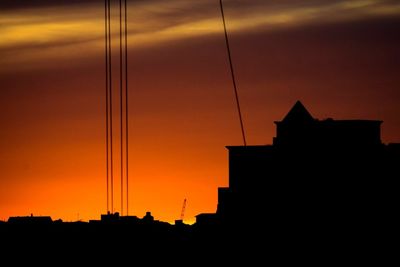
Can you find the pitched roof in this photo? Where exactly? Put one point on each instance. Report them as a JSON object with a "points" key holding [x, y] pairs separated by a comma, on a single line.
{"points": [[298, 113]]}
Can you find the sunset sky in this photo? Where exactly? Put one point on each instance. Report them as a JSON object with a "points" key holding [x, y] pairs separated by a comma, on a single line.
{"points": [[340, 58]]}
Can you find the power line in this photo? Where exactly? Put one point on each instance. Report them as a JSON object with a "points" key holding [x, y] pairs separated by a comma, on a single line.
{"points": [[232, 74], [121, 106], [126, 106], [110, 106], [106, 69]]}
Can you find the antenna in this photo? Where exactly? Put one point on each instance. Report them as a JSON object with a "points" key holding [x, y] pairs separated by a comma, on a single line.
{"points": [[232, 74]]}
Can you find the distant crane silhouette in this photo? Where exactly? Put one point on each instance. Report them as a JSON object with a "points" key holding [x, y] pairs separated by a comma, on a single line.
{"points": [[183, 209]]}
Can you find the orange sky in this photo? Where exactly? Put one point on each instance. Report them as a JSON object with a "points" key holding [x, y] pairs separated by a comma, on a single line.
{"points": [[341, 58]]}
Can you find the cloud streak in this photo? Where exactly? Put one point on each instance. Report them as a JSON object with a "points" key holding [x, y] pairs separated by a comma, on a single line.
{"points": [[44, 30]]}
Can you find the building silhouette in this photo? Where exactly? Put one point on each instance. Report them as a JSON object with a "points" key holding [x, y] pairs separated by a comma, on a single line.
{"points": [[317, 175], [30, 220]]}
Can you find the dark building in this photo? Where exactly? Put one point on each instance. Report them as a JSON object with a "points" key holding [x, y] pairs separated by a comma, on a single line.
{"points": [[316, 174], [116, 218], [110, 217], [30, 220]]}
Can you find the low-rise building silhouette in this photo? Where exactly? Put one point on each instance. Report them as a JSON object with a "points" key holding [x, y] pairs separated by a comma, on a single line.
{"points": [[317, 173], [30, 220]]}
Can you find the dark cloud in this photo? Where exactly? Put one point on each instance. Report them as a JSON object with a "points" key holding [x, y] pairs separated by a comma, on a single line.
{"points": [[201, 6], [11, 4], [23, 4], [18, 4]]}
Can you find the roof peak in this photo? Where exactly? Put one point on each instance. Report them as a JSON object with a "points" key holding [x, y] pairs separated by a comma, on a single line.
{"points": [[298, 113]]}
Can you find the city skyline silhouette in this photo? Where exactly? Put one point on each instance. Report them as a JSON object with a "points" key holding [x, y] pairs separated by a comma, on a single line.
{"points": [[338, 169], [323, 188]]}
